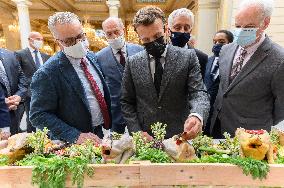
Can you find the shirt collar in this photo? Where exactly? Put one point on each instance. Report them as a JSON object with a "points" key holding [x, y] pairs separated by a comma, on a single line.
{"points": [[76, 61], [163, 54], [123, 49], [31, 49]]}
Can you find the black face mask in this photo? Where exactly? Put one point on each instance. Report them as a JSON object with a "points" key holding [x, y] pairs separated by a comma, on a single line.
{"points": [[179, 39], [216, 49], [156, 48]]}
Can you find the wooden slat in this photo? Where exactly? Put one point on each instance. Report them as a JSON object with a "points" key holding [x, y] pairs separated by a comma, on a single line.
{"points": [[154, 175]]}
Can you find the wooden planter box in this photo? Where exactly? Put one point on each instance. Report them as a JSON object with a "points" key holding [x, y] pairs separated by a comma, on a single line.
{"points": [[154, 175]]}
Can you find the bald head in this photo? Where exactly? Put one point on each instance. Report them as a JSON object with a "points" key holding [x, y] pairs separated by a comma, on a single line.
{"points": [[113, 27], [35, 40]]}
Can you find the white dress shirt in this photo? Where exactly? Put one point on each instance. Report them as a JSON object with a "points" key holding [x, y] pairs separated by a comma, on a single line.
{"points": [[97, 117], [38, 54], [163, 62], [216, 59], [117, 55], [250, 51]]}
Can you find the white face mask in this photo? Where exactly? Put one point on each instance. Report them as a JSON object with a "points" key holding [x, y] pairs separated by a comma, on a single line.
{"points": [[37, 44], [117, 43], [77, 51]]}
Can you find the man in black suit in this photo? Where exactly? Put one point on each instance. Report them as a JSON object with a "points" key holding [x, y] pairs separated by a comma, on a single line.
{"points": [[4, 115], [211, 78], [14, 84], [30, 60], [180, 24]]}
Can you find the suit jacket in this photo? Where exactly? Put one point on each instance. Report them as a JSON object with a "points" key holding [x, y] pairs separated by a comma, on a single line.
{"points": [[58, 99], [255, 98], [182, 92], [113, 72], [202, 58], [211, 84], [4, 112], [27, 63], [18, 83]]}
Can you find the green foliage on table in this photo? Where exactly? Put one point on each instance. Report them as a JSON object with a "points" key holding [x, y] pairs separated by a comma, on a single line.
{"points": [[253, 167], [4, 160], [38, 140]]}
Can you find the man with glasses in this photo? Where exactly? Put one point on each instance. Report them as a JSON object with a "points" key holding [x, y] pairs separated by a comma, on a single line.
{"points": [[162, 83], [69, 95], [251, 89], [112, 60]]}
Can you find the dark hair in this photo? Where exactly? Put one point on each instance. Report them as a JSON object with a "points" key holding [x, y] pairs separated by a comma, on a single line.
{"points": [[147, 16], [229, 34]]}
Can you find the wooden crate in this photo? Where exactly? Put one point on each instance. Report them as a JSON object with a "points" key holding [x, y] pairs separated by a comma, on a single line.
{"points": [[155, 175]]}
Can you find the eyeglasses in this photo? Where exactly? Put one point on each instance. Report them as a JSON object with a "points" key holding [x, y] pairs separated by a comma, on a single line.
{"points": [[73, 40]]}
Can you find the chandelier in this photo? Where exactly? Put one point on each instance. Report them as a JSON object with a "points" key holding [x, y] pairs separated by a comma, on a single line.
{"points": [[2, 42], [131, 34], [47, 49], [92, 37], [13, 27]]}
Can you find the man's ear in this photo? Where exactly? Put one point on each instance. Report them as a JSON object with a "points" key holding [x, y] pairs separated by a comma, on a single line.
{"points": [[266, 22]]}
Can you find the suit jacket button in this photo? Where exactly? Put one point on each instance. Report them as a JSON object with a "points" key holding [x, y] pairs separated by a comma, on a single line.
{"points": [[225, 95]]}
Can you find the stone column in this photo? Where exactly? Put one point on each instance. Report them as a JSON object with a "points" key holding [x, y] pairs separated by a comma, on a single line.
{"points": [[225, 16], [206, 23], [24, 20], [113, 6]]}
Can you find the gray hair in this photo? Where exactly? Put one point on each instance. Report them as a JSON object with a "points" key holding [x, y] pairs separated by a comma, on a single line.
{"points": [[180, 12], [115, 19], [266, 6], [61, 18]]}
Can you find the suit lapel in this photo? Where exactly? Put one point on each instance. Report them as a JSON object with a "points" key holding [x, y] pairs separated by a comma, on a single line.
{"points": [[71, 76], [226, 65], [171, 61], [253, 62], [7, 69], [30, 58]]}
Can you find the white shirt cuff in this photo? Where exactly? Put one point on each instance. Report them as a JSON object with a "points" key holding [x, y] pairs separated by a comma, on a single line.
{"points": [[198, 116], [5, 129]]}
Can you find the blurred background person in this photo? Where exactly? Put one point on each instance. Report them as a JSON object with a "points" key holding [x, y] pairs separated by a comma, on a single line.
{"points": [[112, 60], [14, 85], [180, 25], [30, 60], [211, 79]]}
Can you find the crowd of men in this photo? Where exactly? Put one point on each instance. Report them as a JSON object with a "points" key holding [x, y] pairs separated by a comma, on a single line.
{"points": [[77, 93]]}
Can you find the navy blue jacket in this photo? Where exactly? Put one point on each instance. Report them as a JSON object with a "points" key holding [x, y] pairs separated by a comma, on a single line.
{"points": [[4, 112], [113, 72], [58, 99]]}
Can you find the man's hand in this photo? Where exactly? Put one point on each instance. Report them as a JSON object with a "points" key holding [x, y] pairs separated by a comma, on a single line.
{"points": [[5, 135], [192, 127], [147, 136], [13, 102], [83, 137]]}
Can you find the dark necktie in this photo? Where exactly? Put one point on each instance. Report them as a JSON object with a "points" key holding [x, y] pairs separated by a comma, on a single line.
{"points": [[98, 94], [37, 61], [122, 58], [237, 67], [158, 75], [215, 68], [5, 79]]}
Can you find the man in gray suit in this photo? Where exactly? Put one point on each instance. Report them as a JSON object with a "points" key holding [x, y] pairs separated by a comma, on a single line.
{"points": [[162, 83], [112, 61], [30, 60], [251, 90]]}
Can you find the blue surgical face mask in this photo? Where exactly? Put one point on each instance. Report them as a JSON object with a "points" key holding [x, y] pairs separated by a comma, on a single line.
{"points": [[217, 48], [179, 39], [245, 36]]}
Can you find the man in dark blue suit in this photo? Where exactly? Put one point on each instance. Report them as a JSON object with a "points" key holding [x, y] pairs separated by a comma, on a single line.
{"points": [[112, 59], [14, 85], [5, 121], [69, 95], [211, 79]]}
